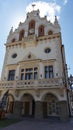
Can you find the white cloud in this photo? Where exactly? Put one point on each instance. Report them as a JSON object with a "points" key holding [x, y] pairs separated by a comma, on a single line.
{"points": [[0, 74], [46, 8], [65, 2]]}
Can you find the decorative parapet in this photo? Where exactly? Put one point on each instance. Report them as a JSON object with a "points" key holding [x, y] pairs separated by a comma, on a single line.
{"points": [[30, 38], [7, 84], [25, 41], [32, 84], [45, 37]]}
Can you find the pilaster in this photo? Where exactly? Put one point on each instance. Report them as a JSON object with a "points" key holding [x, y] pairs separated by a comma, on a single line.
{"points": [[38, 109], [17, 109], [64, 112]]}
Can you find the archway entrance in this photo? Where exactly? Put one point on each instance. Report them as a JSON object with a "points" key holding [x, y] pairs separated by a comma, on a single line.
{"points": [[50, 105], [28, 108], [10, 104]]}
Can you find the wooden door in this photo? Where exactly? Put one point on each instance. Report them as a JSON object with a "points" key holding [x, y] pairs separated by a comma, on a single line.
{"points": [[27, 108], [44, 109]]}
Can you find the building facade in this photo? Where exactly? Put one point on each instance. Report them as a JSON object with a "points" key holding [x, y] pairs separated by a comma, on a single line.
{"points": [[34, 69], [70, 94]]}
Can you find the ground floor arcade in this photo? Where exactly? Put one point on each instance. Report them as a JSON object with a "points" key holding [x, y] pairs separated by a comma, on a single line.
{"points": [[27, 106]]}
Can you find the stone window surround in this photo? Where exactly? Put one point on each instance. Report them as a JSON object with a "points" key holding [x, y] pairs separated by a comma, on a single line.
{"points": [[27, 72]]}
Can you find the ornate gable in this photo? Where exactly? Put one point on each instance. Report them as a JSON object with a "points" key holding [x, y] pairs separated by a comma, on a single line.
{"points": [[29, 56]]}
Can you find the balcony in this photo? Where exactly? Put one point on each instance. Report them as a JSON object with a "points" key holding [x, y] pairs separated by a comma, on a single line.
{"points": [[32, 84]]}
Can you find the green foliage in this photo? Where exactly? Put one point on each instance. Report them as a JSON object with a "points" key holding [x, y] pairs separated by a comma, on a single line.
{"points": [[7, 122]]}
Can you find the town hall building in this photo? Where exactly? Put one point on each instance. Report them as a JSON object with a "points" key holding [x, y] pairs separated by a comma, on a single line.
{"points": [[34, 70]]}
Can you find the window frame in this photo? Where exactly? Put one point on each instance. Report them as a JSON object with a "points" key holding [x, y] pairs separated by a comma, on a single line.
{"points": [[48, 71], [11, 75], [29, 73]]}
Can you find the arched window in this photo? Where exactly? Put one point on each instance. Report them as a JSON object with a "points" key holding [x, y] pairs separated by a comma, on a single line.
{"points": [[31, 24], [31, 27], [41, 31], [13, 40], [50, 32], [21, 35]]}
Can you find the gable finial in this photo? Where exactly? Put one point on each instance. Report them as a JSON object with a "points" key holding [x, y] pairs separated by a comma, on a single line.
{"points": [[33, 5], [56, 22], [11, 31]]}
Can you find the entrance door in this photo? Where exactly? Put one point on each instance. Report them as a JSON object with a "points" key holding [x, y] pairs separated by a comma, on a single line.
{"points": [[28, 105], [44, 109], [26, 108], [11, 107], [50, 106]]}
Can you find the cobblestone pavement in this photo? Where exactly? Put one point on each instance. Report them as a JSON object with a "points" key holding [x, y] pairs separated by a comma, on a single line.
{"points": [[45, 124]]}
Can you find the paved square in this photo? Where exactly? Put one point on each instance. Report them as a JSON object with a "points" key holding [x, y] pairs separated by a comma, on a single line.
{"points": [[45, 124]]}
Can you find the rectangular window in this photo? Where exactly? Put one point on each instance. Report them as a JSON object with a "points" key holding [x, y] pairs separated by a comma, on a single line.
{"points": [[35, 75], [49, 71], [26, 76], [46, 72], [31, 76], [29, 73], [11, 75], [22, 76]]}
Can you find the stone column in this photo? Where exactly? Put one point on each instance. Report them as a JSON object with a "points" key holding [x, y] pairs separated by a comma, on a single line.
{"points": [[41, 71], [17, 108], [64, 112], [38, 109]]}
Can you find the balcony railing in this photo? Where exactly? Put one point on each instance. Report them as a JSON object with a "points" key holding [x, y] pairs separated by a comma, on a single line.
{"points": [[30, 84]]}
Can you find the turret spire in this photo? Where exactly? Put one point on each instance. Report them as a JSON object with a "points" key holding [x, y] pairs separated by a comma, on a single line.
{"points": [[56, 22], [11, 31]]}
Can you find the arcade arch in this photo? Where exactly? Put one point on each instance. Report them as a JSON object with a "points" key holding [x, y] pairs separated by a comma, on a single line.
{"points": [[28, 105]]}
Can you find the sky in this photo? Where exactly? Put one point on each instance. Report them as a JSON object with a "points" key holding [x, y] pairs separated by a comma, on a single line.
{"points": [[12, 12]]}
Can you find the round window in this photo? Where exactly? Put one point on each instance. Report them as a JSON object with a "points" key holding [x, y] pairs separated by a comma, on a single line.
{"points": [[47, 50], [14, 55]]}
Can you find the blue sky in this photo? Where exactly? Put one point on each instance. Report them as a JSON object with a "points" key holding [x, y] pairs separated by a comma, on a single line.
{"points": [[14, 11]]}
